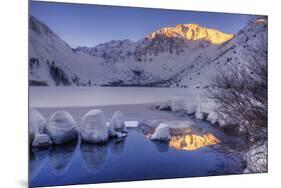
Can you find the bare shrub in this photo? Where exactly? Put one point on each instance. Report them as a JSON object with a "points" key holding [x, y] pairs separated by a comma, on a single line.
{"points": [[241, 93]]}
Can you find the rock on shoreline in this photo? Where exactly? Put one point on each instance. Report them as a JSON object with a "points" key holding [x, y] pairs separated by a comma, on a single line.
{"points": [[93, 128], [36, 125], [62, 128], [161, 133], [116, 127]]}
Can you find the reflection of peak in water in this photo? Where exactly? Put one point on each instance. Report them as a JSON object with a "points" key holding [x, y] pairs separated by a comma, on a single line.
{"points": [[94, 156], [193, 141], [61, 156], [182, 138]]}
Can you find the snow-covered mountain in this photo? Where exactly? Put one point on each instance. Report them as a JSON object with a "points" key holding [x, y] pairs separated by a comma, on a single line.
{"points": [[186, 55], [235, 52], [53, 62], [192, 32]]}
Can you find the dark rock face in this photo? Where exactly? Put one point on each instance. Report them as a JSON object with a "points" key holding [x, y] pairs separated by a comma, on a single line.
{"points": [[58, 75]]}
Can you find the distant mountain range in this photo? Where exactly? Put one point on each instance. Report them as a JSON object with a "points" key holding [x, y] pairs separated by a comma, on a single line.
{"points": [[187, 55]]}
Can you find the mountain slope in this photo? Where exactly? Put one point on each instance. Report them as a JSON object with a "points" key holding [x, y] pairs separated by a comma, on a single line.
{"points": [[161, 55], [187, 55], [53, 62], [236, 52]]}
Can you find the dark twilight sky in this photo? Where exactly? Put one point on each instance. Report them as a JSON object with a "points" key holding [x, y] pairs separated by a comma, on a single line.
{"points": [[89, 25]]}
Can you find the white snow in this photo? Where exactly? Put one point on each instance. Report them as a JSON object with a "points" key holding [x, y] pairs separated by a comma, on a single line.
{"points": [[37, 124], [212, 117], [41, 140], [118, 121], [93, 128], [191, 63], [161, 133], [131, 124], [100, 96], [178, 124], [117, 126], [194, 102], [61, 127], [198, 113], [46, 46]]}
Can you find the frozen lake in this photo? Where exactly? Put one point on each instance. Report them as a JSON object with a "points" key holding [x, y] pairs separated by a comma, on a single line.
{"points": [[102, 96]]}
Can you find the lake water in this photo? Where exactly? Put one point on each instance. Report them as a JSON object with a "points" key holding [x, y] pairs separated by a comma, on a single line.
{"points": [[200, 150], [188, 154]]}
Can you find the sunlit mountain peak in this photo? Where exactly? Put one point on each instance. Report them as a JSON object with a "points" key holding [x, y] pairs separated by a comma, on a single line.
{"points": [[192, 32], [261, 21]]}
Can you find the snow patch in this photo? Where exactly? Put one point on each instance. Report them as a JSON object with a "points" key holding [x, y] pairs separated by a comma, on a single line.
{"points": [[131, 124]]}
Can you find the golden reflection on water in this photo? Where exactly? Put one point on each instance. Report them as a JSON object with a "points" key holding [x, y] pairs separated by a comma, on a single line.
{"points": [[192, 141]]}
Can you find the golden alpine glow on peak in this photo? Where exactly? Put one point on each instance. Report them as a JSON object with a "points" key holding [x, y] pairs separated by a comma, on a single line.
{"points": [[193, 32], [261, 21]]}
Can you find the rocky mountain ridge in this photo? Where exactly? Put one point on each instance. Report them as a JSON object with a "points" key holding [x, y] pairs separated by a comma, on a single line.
{"points": [[186, 55]]}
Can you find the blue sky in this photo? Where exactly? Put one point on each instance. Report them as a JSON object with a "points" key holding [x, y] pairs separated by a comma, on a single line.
{"points": [[89, 25]]}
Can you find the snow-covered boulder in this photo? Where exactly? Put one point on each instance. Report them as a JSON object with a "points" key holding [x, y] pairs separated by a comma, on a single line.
{"points": [[94, 128], [62, 127], [199, 114], [161, 133], [41, 140], [212, 117], [37, 124], [116, 127], [190, 106], [256, 158]]}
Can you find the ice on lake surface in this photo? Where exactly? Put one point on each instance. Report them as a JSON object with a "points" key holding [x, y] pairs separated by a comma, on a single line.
{"points": [[101, 96]]}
